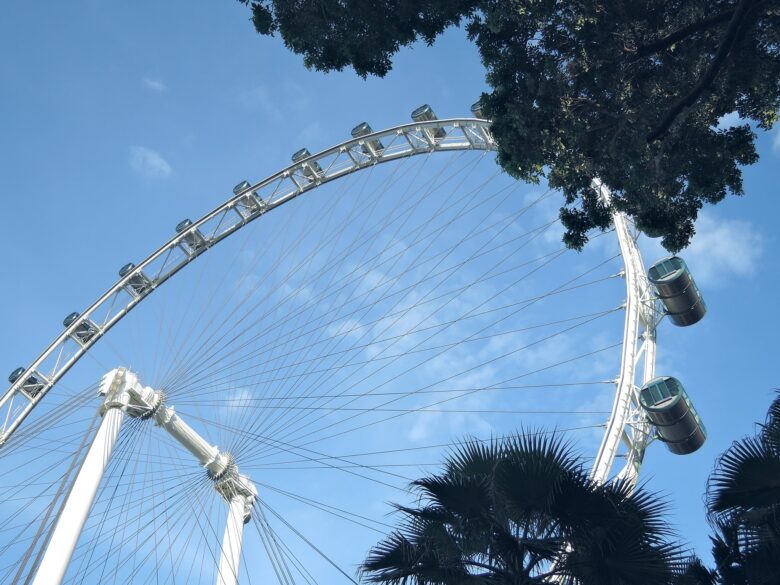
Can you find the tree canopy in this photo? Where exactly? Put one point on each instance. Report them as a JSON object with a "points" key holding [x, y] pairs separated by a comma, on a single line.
{"points": [[629, 91], [523, 511]]}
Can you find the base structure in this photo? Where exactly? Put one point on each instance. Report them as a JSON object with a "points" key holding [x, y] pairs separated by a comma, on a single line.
{"points": [[124, 395]]}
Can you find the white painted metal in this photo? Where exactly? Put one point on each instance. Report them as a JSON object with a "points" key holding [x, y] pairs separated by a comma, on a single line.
{"points": [[338, 161], [207, 455], [627, 421], [124, 394], [82, 494], [231, 542], [238, 490]]}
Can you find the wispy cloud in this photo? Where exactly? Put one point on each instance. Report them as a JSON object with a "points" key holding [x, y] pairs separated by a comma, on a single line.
{"points": [[297, 96], [259, 97], [154, 85], [720, 248], [311, 134], [148, 163], [776, 141], [286, 99], [724, 247]]}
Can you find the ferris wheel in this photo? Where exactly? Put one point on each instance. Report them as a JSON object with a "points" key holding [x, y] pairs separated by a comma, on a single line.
{"points": [[357, 318]]}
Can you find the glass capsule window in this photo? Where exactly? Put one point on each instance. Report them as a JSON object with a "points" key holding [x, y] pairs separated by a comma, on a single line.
{"points": [[656, 393], [665, 268]]}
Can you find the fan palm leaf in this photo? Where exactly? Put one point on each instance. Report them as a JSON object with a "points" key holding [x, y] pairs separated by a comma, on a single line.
{"points": [[523, 511], [746, 477]]}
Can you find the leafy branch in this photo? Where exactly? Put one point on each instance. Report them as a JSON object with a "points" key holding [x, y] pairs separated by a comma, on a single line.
{"points": [[727, 44]]}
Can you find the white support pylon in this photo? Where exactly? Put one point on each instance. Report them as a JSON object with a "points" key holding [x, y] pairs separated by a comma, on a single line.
{"points": [[230, 557], [124, 394], [82, 494]]}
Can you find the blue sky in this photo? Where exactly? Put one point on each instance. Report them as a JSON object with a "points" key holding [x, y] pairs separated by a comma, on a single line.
{"points": [[119, 119]]}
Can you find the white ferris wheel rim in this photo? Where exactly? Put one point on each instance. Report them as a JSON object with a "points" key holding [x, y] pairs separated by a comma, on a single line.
{"points": [[626, 422], [342, 160]]}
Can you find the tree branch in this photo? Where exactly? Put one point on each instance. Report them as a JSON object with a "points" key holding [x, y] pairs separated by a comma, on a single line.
{"points": [[678, 35], [729, 39]]}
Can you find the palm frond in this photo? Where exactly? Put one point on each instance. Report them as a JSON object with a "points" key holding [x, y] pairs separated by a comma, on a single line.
{"points": [[523, 511], [473, 458], [746, 476], [726, 552], [465, 496], [695, 573], [770, 430]]}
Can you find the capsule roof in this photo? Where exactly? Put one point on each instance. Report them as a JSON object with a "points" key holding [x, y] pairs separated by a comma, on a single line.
{"points": [[666, 269], [15, 375], [183, 225], [661, 393], [301, 154], [68, 321], [361, 129], [423, 114], [242, 186], [125, 270]]}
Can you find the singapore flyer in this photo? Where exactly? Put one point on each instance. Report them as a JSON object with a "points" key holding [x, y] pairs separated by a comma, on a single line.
{"points": [[248, 306]]}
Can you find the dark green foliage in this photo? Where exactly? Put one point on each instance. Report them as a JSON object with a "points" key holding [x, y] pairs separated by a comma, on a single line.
{"points": [[364, 35], [629, 91], [743, 500], [696, 574], [503, 512]]}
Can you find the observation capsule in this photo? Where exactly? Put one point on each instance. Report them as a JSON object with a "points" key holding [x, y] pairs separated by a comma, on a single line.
{"points": [[476, 109], [677, 290], [83, 332], [138, 284], [31, 387], [251, 201], [242, 186], [667, 405], [193, 240], [310, 169], [371, 147], [425, 114]]}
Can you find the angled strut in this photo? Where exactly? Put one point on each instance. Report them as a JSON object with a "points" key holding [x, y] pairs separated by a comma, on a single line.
{"points": [[125, 395]]}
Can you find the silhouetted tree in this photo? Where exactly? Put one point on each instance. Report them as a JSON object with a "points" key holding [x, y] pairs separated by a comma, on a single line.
{"points": [[743, 501], [524, 511], [629, 91]]}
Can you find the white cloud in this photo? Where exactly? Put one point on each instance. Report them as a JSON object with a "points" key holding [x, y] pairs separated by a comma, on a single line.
{"points": [[260, 97], [297, 96], [311, 134], [237, 401], [154, 85], [721, 248], [285, 100], [149, 163]]}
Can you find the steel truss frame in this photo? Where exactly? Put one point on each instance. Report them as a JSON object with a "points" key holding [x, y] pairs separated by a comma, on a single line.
{"points": [[627, 423], [253, 202]]}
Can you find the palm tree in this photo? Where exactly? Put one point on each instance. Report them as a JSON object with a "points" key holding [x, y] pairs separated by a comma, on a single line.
{"points": [[523, 511], [743, 501], [695, 573]]}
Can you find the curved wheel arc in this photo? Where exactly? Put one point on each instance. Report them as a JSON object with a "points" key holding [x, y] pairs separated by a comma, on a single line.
{"points": [[195, 238]]}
